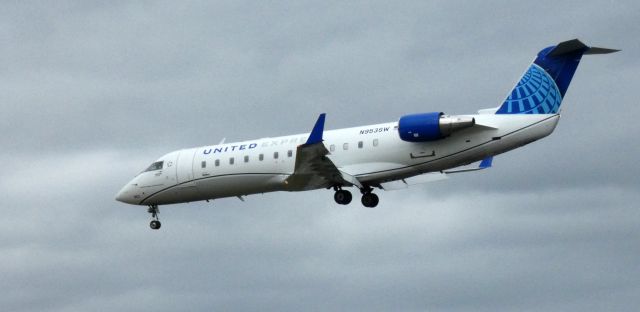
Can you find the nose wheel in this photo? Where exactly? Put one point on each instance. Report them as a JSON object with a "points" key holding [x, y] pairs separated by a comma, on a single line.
{"points": [[155, 223]]}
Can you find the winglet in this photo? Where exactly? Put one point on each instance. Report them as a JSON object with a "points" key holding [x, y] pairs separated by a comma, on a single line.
{"points": [[318, 129], [486, 163]]}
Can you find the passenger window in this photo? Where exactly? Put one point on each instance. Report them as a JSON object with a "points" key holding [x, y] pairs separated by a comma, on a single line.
{"points": [[375, 142], [204, 164], [231, 161], [275, 155], [289, 153], [217, 162], [360, 144], [246, 159], [332, 147], [261, 157], [155, 166], [345, 146]]}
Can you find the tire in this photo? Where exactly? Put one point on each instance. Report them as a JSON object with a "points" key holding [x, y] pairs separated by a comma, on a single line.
{"points": [[342, 197], [155, 225], [370, 200], [347, 198]]}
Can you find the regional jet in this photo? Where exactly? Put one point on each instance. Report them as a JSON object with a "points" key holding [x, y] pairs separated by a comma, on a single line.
{"points": [[415, 149]]}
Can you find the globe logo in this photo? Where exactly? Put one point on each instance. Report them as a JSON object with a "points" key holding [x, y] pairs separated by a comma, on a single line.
{"points": [[535, 93]]}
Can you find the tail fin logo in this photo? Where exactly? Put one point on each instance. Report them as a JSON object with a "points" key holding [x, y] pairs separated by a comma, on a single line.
{"points": [[535, 93], [541, 89]]}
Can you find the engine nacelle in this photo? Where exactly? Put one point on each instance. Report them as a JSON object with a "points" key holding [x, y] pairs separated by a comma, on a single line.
{"points": [[431, 126]]}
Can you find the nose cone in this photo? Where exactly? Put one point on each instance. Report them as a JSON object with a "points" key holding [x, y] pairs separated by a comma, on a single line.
{"points": [[126, 195]]}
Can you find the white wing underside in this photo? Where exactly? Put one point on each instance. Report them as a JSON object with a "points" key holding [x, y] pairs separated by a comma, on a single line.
{"points": [[419, 179], [434, 176]]}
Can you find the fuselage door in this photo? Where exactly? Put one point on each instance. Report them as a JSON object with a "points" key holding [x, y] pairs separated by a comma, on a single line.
{"points": [[171, 167], [185, 165]]}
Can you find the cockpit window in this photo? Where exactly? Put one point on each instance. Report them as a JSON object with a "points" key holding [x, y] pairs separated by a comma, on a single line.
{"points": [[155, 166]]}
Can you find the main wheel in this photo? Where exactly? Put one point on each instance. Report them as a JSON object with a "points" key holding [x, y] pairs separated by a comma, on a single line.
{"points": [[342, 197], [155, 225], [370, 200]]}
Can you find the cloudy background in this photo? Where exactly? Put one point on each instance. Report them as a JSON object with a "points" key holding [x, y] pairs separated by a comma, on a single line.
{"points": [[91, 93]]}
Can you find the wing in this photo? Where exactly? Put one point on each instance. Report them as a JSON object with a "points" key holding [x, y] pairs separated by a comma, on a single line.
{"points": [[434, 176], [313, 169]]}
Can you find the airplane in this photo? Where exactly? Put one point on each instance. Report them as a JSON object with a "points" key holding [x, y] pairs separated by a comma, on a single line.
{"points": [[415, 149]]}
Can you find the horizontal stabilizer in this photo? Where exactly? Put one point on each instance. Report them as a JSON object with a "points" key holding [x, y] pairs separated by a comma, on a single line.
{"points": [[567, 47], [576, 45], [595, 50]]}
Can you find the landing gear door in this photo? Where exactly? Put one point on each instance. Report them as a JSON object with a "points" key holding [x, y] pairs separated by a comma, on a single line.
{"points": [[185, 165]]}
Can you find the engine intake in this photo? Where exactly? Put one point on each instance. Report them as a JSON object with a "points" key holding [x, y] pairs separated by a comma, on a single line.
{"points": [[431, 126]]}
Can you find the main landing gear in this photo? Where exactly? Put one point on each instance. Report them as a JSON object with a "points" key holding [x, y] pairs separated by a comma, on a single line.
{"points": [[155, 223], [344, 197], [370, 200]]}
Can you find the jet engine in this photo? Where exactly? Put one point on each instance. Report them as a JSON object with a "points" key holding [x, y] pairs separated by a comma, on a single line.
{"points": [[431, 126]]}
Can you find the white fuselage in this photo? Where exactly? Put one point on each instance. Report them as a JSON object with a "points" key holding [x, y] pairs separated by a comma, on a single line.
{"points": [[373, 154]]}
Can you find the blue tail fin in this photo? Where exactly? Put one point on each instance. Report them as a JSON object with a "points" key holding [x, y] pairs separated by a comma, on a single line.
{"points": [[542, 88]]}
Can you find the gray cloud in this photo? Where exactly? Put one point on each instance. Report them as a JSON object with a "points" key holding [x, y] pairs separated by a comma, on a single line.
{"points": [[91, 93]]}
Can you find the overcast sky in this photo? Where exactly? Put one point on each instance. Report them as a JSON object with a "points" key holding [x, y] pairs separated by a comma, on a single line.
{"points": [[91, 93]]}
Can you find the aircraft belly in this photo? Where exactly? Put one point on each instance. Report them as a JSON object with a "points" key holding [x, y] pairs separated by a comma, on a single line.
{"points": [[218, 187], [239, 184]]}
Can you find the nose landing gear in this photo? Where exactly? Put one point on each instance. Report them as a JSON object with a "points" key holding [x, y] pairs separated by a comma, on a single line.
{"points": [[155, 223]]}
